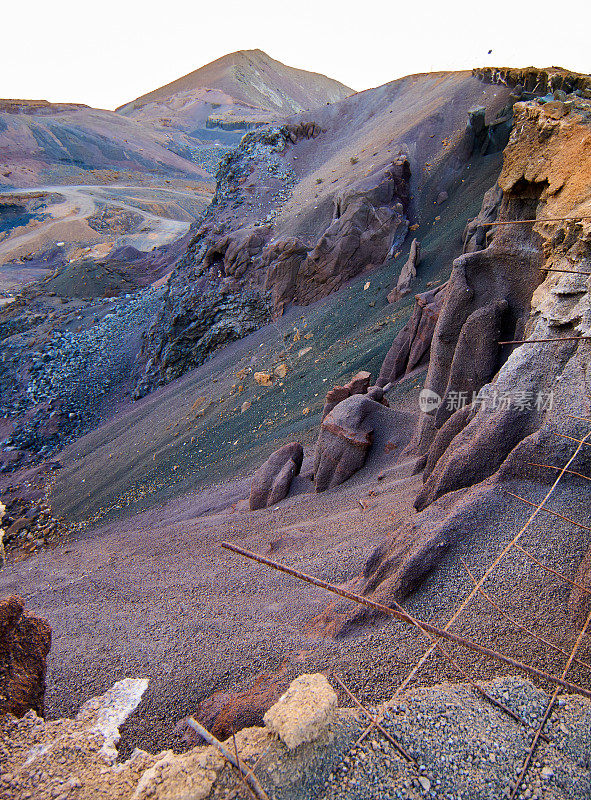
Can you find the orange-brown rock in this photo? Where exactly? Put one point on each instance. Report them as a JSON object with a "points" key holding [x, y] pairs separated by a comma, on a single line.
{"points": [[24, 644], [225, 713]]}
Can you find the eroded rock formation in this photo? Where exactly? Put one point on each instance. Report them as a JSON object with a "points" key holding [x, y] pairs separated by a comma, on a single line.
{"points": [[24, 644], [345, 438], [412, 344], [369, 219], [407, 274], [235, 276], [505, 407], [272, 480]]}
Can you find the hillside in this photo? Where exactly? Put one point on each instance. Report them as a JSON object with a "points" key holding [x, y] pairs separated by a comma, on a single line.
{"points": [[47, 143], [367, 361]]}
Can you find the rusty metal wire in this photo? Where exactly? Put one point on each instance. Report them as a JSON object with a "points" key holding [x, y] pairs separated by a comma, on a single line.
{"points": [[403, 616], [549, 710], [513, 543]]}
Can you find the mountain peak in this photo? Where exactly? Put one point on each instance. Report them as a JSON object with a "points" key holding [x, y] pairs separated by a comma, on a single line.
{"points": [[253, 78]]}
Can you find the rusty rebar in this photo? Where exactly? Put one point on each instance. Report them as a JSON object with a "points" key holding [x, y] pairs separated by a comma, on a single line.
{"points": [[560, 575], [516, 623], [549, 709], [532, 221], [569, 271], [427, 654], [210, 738], [376, 722], [401, 615], [580, 441], [549, 511], [537, 341], [550, 466]]}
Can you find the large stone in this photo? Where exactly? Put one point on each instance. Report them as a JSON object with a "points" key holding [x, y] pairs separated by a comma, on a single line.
{"points": [[24, 644], [344, 441], [304, 712], [272, 480]]}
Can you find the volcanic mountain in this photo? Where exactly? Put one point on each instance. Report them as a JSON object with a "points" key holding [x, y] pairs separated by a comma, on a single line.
{"points": [[250, 80]]}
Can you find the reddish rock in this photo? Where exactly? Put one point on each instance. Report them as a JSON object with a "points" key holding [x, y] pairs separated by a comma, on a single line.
{"points": [[358, 384], [272, 480], [224, 713], [24, 644]]}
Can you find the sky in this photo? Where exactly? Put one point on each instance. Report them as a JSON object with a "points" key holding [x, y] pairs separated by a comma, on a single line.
{"points": [[107, 53]]}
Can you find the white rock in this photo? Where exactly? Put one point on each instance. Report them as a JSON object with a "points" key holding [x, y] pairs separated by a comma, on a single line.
{"points": [[304, 712], [547, 773], [425, 783]]}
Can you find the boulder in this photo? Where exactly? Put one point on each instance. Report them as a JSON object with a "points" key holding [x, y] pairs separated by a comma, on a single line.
{"points": [[272, 480], [344, 441], [24, 644], [304, 712], [407, 274]]}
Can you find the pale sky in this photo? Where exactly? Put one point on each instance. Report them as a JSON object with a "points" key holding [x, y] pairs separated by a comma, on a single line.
{"points": [[107, 52]]}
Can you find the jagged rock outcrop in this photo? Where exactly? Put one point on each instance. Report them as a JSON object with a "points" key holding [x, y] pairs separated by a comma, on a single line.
{"points": [[272, 480], [536, 81], [487, 300], [200, 324], [233, 253], [234, 277], [407, 274], [25, 641], [411, 346], [369, 220]]}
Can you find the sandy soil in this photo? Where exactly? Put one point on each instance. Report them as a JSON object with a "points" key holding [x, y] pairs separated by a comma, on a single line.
{"points": [[156, 597]]}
